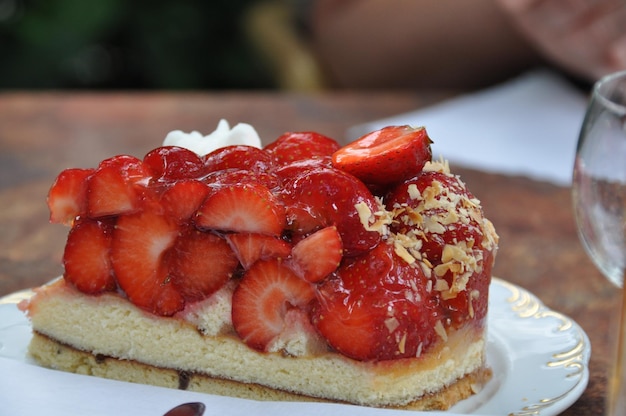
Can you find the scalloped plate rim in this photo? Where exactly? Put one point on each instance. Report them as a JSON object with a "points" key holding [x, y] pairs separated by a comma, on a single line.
{"points": [[524, 380]]}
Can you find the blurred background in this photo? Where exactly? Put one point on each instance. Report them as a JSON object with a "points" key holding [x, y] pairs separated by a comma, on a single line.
{"points": [[139, 45]]}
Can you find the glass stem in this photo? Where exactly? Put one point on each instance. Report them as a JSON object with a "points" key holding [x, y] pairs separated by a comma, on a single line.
{"points": [[617, 382]]}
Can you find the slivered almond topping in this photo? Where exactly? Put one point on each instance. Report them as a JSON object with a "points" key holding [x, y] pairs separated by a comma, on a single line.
{"points": [[458, 252], [451, 217], [428, 271], [441, 331], [418, 353], [441, 285], [365, 214], [490, 239], [474, 294], [392, 324], [378, 221], [440, 165], [415, 253], [408, 295], [427, 263], [414, 193], [452, 267], [413, 217], [431, 224], [402, 344], [403, 253]]}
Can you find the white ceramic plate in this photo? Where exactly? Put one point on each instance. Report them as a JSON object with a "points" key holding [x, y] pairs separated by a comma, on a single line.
{"points": [[539, 357]]}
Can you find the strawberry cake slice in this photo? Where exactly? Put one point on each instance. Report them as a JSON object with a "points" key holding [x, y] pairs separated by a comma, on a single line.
{"points": [[301, 270]]}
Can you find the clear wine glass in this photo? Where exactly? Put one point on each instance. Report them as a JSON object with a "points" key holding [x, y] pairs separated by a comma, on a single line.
{"points": [[599, 195]]}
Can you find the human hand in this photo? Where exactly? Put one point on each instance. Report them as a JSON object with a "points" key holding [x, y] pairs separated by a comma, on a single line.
{"points": [[585, 38]]}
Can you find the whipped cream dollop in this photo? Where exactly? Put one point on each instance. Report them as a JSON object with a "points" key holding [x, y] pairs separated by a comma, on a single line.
{"points": [[241, 134]]}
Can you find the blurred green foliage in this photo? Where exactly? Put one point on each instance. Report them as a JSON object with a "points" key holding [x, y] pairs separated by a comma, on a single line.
{"points": [[118, 44]]}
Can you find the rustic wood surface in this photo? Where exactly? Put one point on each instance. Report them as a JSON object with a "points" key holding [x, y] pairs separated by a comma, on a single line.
{"points": [[44, 133]]}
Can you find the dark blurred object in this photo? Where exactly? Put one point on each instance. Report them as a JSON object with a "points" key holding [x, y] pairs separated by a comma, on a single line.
{"points": [[117, 44], [273, 30]]}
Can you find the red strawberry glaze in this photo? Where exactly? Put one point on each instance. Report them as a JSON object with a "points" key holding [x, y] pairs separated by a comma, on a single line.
{"points": [[296, 146], [438, 214], [171, 163], [323, 197], [240, 157]]}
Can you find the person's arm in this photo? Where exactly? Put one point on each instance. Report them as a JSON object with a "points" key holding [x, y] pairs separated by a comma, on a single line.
{"points": [[585, 38], [417, 43]]}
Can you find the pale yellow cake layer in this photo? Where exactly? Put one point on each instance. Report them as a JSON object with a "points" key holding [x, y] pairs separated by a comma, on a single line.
{"points": [[110, 326], [53, 354]]}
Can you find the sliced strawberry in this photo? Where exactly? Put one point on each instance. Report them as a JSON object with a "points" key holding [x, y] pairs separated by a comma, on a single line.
{"points": [[376, 307], [246, 207], [86, 257], [139, 252], [386, 156], [239, 157], [291, 147], [109, 194], [324, 197], [264, 296], [250, 247], [171, 163], [116, 187], [182, 199], [317, 255], [200, 264], [67, 198]]}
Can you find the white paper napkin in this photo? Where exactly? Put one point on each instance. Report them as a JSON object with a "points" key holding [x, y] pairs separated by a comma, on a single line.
{"points": [[527, 126]]}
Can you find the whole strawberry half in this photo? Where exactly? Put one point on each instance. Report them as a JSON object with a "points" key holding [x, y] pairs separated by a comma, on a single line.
{"points": [[239, 157], [376, 307], [171, 163], [386, 156], [235, 176], [436, 208], [325, 197], [295, 146]]}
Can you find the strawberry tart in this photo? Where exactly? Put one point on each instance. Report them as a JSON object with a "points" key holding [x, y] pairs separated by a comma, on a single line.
{"points": [[301, 270]]}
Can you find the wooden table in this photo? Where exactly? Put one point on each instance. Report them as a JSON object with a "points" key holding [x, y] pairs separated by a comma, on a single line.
{"points": [[43, 133]]}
